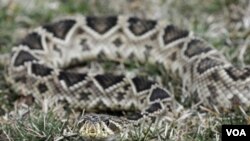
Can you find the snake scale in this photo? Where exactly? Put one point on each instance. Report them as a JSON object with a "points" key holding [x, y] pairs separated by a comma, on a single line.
{"points": [[39, 61]]}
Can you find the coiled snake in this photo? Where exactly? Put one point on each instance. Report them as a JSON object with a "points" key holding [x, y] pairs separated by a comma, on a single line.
{"points": [[38, 62]]}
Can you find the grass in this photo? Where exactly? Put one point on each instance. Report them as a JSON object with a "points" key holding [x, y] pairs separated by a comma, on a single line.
{"points": [[218, 21], [34, 127]]}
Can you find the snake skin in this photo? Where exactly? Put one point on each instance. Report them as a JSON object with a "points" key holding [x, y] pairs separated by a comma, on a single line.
{"points": [[38, 62]]}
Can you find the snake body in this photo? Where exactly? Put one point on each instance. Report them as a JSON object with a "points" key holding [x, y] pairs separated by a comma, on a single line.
{"points": [[39, 61]]}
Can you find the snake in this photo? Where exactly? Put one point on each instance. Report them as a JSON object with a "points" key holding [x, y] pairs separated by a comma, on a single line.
{"points": [[41, 66]]}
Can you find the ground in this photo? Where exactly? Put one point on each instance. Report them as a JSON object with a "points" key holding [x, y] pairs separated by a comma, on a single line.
{"points": [[223, 23]]}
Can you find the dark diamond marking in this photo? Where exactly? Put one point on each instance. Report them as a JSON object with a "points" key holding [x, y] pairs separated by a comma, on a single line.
{"points": [[196, 47], [126, 87], [33, 41], [84, 45], [42, 88], [154, 107], [120, 96], [117, 42], [102, 106], [61, 28], [71, 78], [141, 83], [22, 57], [173, 56], [108, 80], [158, 93], [172, 33], [237, 73], [215, 76], [154, 37], [84, 96], [101, 25], [139, 26], [79, 31], [206, 64], [41, 70]]}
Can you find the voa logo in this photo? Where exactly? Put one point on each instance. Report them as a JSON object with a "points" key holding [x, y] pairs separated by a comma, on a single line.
{"points": [[236, 132]]}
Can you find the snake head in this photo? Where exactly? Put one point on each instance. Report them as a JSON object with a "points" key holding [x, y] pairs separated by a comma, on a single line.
{"points": [[99, 126]]}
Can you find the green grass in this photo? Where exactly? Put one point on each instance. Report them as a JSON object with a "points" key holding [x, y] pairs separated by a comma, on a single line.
{"points": [[201, 17]]}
